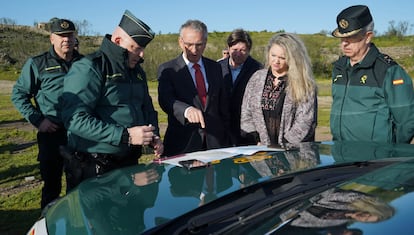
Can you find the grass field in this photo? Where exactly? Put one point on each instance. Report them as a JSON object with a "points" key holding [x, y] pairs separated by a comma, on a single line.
{"points": [[20, 182]]}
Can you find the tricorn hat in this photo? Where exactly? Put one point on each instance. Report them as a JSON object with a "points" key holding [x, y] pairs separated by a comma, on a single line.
{"points": [[351, 20], [138, 30], [60, 26]]}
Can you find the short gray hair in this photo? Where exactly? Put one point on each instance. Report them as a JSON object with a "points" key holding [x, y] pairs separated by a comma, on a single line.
{"points": [[368, 28], [197, 25]]}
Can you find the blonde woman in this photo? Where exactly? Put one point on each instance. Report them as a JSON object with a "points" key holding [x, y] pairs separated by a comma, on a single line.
{"points": [[280, 102]]}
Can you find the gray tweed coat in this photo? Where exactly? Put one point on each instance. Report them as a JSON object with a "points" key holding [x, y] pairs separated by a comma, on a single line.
{"points": [[298, 122]]}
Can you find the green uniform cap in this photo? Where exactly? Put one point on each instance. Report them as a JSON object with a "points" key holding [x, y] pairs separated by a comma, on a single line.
{"points": [[351, 20], [138, 30]]}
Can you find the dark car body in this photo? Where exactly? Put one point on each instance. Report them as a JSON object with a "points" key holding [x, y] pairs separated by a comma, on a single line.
{"points": [[314, 188]]}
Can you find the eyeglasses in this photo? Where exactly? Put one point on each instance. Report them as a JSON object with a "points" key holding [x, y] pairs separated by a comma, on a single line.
{"points": [[196, 45]]}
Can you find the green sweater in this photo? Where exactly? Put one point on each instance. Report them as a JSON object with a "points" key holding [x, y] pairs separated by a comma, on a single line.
{"points": [[102, 97], [372, 100], [42, 79]]}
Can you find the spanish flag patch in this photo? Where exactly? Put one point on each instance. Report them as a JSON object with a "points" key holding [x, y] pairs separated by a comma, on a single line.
{"points": [[398, 82]]}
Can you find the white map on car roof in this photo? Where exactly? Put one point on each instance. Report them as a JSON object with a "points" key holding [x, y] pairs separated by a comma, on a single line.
{"points": [[216, 154]]}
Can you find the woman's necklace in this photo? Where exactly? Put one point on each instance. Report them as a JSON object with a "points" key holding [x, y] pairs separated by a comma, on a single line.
{"points": [[276, 77]]}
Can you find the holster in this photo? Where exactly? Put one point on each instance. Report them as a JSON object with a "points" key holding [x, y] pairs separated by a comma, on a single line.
{"points": [[80, 166]]}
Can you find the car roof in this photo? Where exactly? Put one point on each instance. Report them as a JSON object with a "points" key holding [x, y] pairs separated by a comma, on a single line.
{"points": [[118, 202]]}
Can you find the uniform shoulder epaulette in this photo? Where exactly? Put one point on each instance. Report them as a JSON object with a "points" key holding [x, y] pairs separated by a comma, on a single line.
{"points": [[387, 59], [46, 62]]}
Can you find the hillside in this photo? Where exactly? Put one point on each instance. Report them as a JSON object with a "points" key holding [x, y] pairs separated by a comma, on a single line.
{"points": [[19, 43]]}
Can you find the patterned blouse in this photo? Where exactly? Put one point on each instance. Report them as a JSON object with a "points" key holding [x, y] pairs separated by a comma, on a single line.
{"points": [[273, 97]]}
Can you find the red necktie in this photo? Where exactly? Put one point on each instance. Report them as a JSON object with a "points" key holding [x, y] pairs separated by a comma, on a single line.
{"points": [[201, 86]]}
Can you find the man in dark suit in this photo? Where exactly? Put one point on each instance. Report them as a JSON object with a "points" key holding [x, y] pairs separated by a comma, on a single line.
{"points": [[197, 120], [237, 70]]}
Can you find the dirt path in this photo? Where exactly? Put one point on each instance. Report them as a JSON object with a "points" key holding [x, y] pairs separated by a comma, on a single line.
{"points": [[6, 87]]}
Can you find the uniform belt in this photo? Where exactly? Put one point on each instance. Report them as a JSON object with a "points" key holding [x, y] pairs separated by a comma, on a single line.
{"points": [[101, 158]]}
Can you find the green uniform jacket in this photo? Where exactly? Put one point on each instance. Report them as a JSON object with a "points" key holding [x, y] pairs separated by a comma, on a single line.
{"points": [[372, 100], [42, 79], [102, 97]]}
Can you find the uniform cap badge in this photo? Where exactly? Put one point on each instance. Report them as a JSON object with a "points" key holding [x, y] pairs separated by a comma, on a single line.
{"points": [[343, 23], [64, 25]]}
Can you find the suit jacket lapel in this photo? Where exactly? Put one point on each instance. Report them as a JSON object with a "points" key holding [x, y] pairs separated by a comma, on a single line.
{"points": [[210, 81], [242, 72]]}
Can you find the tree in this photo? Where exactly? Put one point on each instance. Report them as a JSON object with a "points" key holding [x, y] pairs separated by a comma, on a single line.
{"points": [[399, 30], [83, 27], [7, 21]]}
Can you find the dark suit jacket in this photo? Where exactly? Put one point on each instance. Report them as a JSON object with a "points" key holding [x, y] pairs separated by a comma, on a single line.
{"points": [[236, 92], [176, 92]]}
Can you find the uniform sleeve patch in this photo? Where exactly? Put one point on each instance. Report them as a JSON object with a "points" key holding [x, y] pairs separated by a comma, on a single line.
{"points": [[398, 82]]}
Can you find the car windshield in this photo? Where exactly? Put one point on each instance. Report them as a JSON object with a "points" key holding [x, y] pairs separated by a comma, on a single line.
{"points": [[308, 200], [277, 200]]}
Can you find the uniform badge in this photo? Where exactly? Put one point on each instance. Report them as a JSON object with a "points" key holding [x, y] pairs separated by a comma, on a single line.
{"points": [[343, 23], [339, 76], [363, 79], [64, 25], [388, 59], [398, 82]]}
